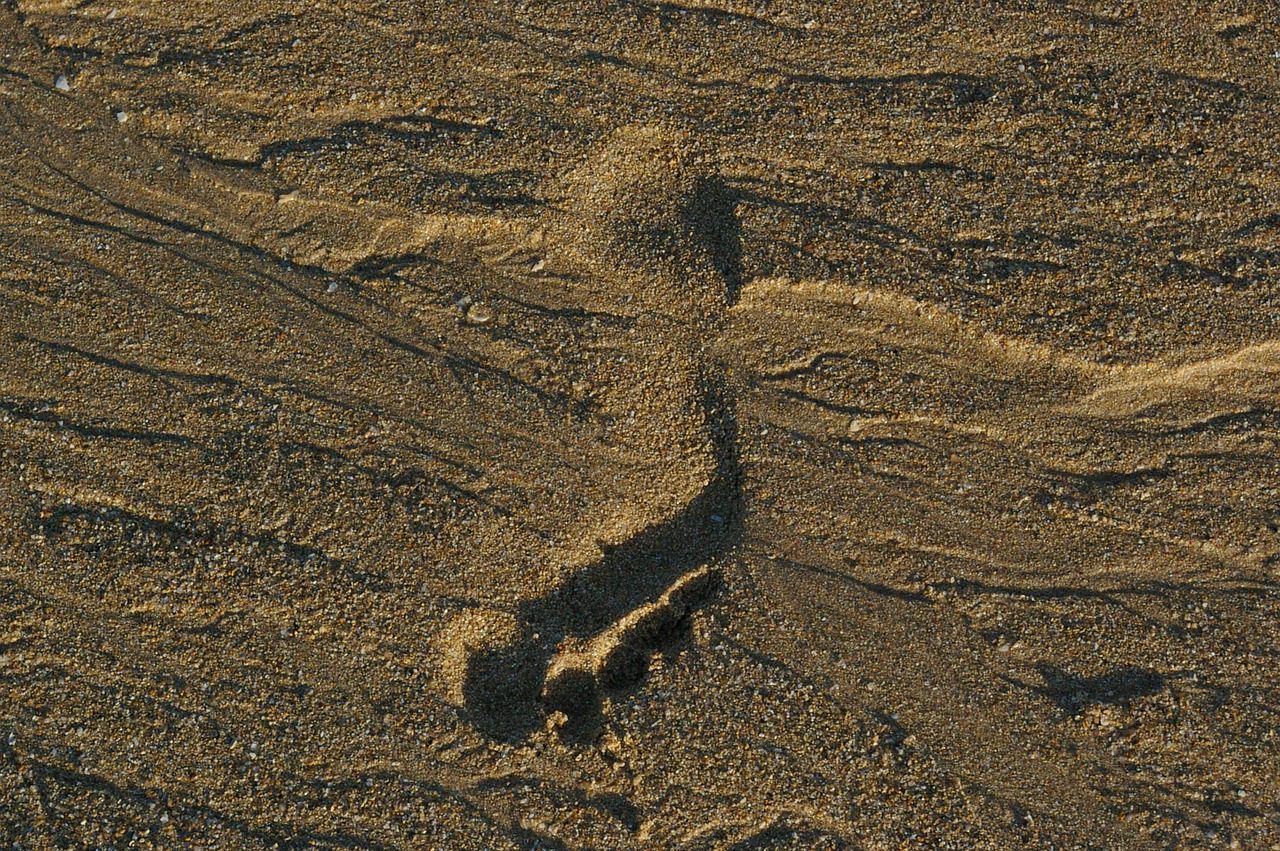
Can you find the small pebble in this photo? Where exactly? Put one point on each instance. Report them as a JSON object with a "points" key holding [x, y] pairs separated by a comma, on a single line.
{"points": [[61, 83], [122, 116], [333, 286]]}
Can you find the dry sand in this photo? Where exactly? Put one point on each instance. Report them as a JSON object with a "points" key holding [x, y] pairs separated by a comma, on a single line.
{"points": [[635, 425]]}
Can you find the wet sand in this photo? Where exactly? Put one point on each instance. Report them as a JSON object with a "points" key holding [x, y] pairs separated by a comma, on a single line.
{"points": [[638, 425]]}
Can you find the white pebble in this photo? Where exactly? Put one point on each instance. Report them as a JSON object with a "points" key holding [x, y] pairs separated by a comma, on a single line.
{"points": [[333, 286], [122, 116], [61, 83]]}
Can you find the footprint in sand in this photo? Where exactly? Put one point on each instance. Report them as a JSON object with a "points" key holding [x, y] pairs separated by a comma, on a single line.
{"points": [[649, 222]]}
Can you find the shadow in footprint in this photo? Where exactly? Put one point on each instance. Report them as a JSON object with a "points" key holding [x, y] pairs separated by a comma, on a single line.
{"points": [[576, 693], [713, 219], [1072, 693], [503, 685]]}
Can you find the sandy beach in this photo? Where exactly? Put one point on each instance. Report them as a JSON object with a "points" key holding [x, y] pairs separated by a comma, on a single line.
{"points": [[638, 425]]}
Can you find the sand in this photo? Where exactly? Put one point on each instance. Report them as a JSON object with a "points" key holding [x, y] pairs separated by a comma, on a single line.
{"points": [[639, 425]]}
